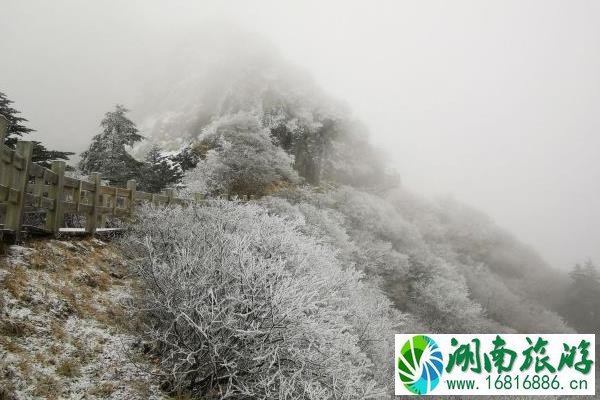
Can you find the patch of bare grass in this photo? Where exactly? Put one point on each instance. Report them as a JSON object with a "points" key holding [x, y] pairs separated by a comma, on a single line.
{"points": [[69, 368]]}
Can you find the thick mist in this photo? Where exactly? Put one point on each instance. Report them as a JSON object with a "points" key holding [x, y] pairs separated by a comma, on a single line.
{"points": [[492, 103]]}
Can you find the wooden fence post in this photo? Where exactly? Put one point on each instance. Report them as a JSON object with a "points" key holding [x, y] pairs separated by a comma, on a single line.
{"points": [[3, 128], [77, 196], [92, 218], [114, 199], [14, 209], [131, 185], [54, 218], [198, 197], [170, 195], [104, 202], [38, 190], [5, 170]]}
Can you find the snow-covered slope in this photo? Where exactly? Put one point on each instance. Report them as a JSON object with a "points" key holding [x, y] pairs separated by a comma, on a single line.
{"points": [[62, 330]]}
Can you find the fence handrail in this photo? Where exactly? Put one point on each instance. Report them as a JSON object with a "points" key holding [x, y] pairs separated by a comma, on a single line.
{"points": [[26, 186]]}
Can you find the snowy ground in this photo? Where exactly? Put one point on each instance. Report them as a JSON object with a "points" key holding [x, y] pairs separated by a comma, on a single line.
{"points": [[62, 332]]}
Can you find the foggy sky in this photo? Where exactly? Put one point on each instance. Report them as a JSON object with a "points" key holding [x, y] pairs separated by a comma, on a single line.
{"points": [[496, 103]]}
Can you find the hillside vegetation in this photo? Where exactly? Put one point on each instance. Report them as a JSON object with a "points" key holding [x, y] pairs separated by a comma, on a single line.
{"points": [[294, 294], [298, 294], [261, 126]]}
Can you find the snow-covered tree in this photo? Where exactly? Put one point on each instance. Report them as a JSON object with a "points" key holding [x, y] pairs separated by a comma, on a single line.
{"points": [[17, 128], [507, 307], [582, 302], [107, 153], [159, 171], [186, 158], [319, 132], [240, 158]]}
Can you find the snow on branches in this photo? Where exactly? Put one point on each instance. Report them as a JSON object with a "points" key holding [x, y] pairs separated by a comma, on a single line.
{"points": [[241, 304]]}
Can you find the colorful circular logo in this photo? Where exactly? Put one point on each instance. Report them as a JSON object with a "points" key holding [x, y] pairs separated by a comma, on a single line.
{"points": [[420, 364]]}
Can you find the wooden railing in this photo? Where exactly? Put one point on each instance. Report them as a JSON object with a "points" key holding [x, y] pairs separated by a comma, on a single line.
{"points": [[26, 187]]}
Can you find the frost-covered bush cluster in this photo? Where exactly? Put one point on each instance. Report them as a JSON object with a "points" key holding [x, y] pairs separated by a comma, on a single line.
{"points": [[298, 295], [239, 157], [292, 295], [243, 304], [413, 249]]}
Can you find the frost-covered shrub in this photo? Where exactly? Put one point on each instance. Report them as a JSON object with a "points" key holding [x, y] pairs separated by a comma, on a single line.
{"points": [[438, 260], [240, 304], [368, 213], [375, 257], [507, 307], [240, 158], [440, 295], [323, 224]]}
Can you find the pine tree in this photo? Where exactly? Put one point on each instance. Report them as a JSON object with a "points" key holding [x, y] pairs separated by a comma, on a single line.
{"points": [[186, 158], [582, 304], [17, 128], [108, 154], [160, 171]]}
